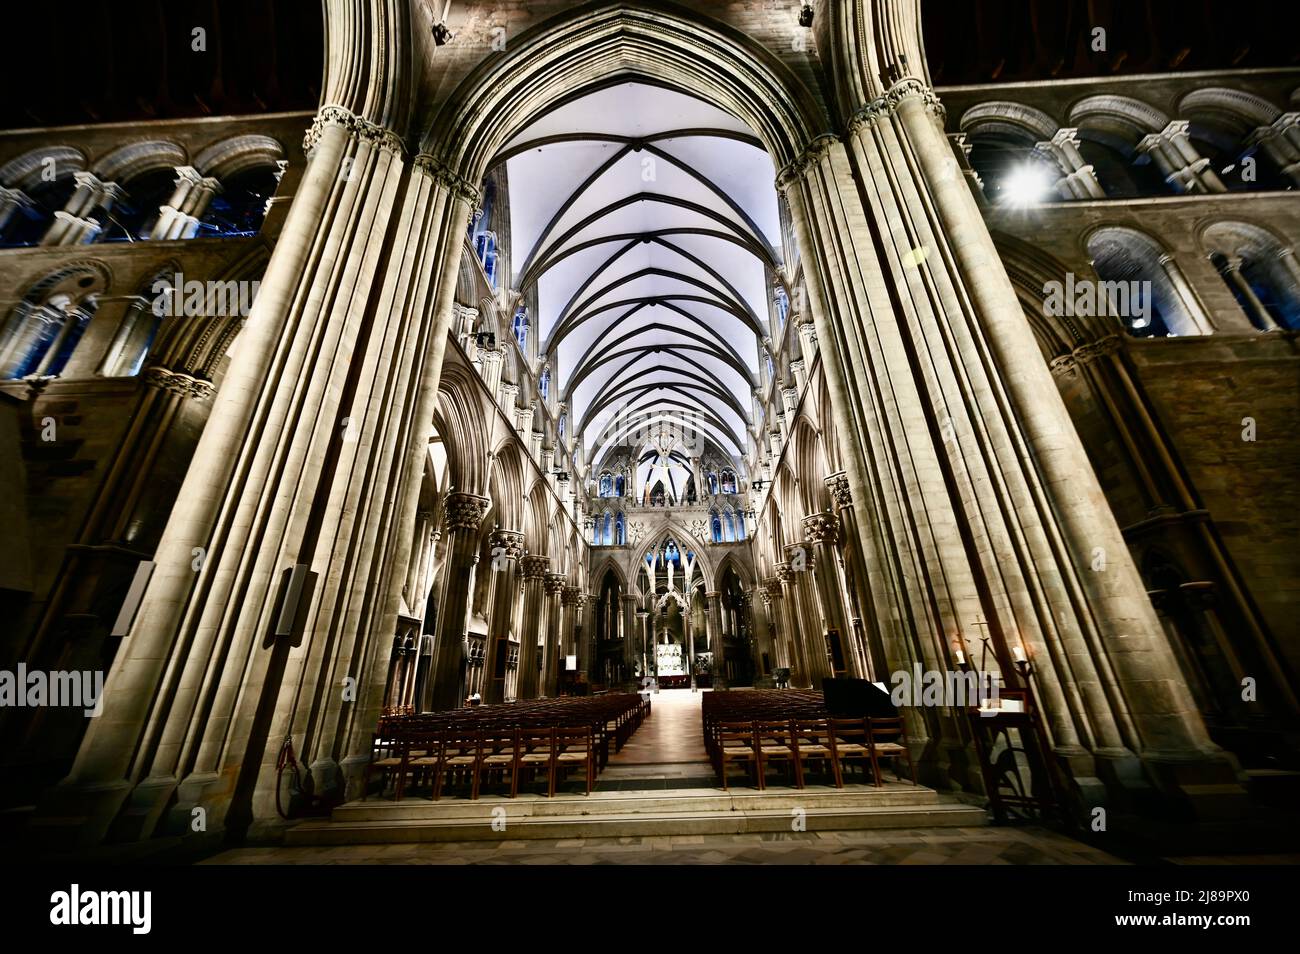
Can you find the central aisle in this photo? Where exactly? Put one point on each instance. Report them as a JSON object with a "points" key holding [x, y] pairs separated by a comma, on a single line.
{"points": [[670, 744]]}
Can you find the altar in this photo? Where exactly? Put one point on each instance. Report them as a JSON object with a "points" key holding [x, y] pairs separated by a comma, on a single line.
{"points": [[668, 656]]}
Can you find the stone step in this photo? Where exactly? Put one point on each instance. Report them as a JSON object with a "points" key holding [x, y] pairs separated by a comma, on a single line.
{"points": [[853, 797], [608, 818]]}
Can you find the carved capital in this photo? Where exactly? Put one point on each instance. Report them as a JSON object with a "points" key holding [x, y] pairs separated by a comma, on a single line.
{"points": [[534, 567], [357, 127], [447, 177], [178, 383], [838, 485], [1069, 364], [886, 105], [465, 511], [799, 556], [509, 542], [556, 584], [797, 167], [821, 528]]}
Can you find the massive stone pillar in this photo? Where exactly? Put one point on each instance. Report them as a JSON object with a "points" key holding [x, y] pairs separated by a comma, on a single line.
{"points": [[552, 659], [506, 547], [312, 458], [976, 503], [462, 515], [532, 625]]}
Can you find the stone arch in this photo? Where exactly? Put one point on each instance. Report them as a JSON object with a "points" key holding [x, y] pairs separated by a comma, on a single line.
{"points": [[673, 528], [579, 48], [810, 464], [1254, 258], [609, 564], [198, 347], [537, 520], [1126, 253], [25, 171], [506, 488], [1116, 120], [459, 421], [1005, 118], [126, 162], [738, 566], [230, 157], [1233, 109]]}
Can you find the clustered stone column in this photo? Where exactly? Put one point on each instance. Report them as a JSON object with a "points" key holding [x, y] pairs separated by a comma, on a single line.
{"points": [[551, 658], [462, 515], [1078, 179], [822, 531], [532, 626], [505, 547], [713, 605], [1179, 162], [75, 223], [627, 632], [792, 626], [181, 216], [1280, 140], [572, 600], [873, 656], [976, 501], [323, 475]]}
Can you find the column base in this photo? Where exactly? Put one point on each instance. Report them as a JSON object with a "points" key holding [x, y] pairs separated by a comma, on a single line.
{"points": [[76, 817]]}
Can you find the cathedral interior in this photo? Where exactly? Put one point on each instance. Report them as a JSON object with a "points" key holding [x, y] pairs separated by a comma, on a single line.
{"points": [[371, 368]]}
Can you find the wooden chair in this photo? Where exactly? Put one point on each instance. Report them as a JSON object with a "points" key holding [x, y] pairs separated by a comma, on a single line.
{"points": [[814, 742], [850, 743], [457, 754], [736, 743], [388, 755], [887, 739], [498, 753], [573, 749], [776, 744], [537, 752]]}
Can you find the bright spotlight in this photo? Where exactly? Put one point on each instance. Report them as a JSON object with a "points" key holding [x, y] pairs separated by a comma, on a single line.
{"points": [[1026, 185]]}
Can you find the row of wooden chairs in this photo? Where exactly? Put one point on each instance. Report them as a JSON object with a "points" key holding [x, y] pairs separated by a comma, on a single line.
{"points": [[612, 718], [500, 741], [834, 745], [472, 757]]}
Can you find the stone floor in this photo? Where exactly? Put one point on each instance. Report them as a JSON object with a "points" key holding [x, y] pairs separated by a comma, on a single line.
{"points": [[937, 846]]}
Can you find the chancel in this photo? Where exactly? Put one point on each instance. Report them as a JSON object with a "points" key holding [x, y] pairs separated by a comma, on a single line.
{"points": [[562, 394]]}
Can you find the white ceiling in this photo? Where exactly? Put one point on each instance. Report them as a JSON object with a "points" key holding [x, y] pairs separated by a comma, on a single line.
{"points": [[646, 220]]}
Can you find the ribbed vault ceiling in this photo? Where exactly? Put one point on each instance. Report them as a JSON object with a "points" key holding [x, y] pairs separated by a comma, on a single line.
{"points": [[646, 219]]}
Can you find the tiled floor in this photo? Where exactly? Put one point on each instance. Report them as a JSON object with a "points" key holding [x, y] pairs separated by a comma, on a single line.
{"points": [[937, 846]]}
